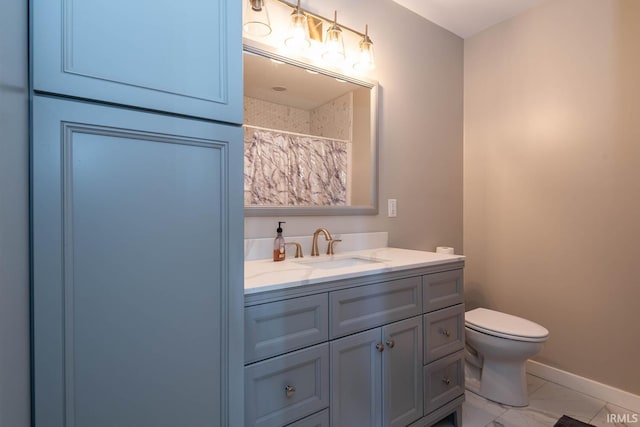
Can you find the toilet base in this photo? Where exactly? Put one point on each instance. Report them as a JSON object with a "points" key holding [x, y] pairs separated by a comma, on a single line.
{"points": [[471, 378], [504, 382]]}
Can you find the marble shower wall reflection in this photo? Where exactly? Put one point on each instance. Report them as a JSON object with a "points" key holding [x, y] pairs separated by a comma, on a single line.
{"points": [[297, 157], [283, 169]]}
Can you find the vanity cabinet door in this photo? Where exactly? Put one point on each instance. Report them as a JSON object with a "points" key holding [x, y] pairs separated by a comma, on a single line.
{"points": [[182, 57], [356, 380], [376, 376], [137, 268], [402, 372]]}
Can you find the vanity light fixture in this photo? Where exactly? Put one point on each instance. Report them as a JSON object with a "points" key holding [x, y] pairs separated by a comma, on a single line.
{"points": [[257, 22], [297, 37], [305, 28], [333, 43]]}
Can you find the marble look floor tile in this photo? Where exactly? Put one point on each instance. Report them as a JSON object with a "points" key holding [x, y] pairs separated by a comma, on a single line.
{"points": [[618, 417], [478, 411], [534, 383], [554, 401], [524, 417]]}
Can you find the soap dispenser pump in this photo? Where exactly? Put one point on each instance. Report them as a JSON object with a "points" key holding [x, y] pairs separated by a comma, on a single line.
{"points": [[278, 244]]}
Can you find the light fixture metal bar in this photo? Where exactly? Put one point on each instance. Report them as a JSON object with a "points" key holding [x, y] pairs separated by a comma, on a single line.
{"points": [[315, 15]]}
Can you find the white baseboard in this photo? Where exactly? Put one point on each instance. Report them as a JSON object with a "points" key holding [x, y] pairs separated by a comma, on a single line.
{"points": [[584, 385]]}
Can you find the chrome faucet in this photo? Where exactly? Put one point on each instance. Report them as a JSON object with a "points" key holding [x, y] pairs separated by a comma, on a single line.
{"points": [[314, 243]]}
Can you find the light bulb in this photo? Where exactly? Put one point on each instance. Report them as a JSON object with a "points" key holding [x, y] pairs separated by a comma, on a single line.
{"points": [[298, 35], [365, 56], [334, 45]]}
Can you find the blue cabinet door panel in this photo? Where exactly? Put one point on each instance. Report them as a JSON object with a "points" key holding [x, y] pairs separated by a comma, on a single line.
{"points": [[177, 56], [356, 380], [135, 282]]}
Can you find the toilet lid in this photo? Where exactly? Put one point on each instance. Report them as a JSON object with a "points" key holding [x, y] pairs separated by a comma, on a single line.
{"points": [[504, 325]]}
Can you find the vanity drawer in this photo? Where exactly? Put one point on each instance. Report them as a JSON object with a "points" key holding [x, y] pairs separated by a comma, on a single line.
{"points": [[321, 419], [443, 332], [279, 327], [365, 307], [443, 381], [287, 388], [442, 290]]}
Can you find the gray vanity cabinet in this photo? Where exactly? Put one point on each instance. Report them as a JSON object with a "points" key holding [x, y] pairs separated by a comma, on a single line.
{"points": [[376, 376], [393, 357]]}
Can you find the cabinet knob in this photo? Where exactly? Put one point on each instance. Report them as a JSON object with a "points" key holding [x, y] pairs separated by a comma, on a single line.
{"points": [[289, 390], [446, 380], [380, 347], [391, 343], [445, 332]]}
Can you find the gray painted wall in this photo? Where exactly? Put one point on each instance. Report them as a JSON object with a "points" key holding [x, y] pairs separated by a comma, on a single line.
{"points": [[14, 216], [419, 67], [552, 100]]}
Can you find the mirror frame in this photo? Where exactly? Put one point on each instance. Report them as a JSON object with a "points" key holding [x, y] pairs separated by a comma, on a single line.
{"points": [[253, 47]]}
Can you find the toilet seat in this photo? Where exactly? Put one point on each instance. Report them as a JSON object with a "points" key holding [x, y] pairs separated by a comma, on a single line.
{"points": [[505, 325]]}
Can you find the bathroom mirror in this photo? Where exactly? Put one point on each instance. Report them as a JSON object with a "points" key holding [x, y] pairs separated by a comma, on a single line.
{"points": [[310, 138]]}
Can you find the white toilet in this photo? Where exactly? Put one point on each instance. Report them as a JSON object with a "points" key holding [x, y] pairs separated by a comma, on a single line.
{"points": [[498, 346]]}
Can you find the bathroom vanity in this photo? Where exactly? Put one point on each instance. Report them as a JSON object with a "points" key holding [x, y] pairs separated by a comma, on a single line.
{"points": [[366, 338]]}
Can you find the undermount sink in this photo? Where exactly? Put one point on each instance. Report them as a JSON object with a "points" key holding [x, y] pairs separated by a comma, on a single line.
{"points": [[339, 262]]}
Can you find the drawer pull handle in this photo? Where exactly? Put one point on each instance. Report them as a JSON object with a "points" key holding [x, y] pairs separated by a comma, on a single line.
{"points": [[380, 347], [289, 390], [445, 332], [446, 380], [391, 343]]}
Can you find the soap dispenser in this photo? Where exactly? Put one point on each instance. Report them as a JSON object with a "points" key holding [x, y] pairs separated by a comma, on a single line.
{"points": [[278, 244]]}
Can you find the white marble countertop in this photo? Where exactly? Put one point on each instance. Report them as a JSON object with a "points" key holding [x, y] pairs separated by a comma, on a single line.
{"points": [[267, 275]]}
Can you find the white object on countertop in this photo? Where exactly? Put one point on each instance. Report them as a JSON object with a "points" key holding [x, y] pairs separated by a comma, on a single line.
{"points": [[444, 250]]}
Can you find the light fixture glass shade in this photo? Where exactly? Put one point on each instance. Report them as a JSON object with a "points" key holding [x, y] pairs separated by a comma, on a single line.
{"points": [[298, 34], [365, 54], [256, 18], [333, 43]]}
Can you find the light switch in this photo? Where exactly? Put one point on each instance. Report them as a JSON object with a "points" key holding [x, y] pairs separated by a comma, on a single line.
{"points": [[392, 208]]}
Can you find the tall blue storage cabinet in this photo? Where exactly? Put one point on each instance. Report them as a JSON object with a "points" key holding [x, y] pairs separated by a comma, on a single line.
{"points": [[137, 213]]}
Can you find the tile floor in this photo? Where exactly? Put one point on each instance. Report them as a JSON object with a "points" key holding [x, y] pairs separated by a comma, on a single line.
{"points": [[547, 403]]}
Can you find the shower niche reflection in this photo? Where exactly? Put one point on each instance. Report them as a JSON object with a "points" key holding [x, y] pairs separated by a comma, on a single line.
{"points": [[310, 139]]}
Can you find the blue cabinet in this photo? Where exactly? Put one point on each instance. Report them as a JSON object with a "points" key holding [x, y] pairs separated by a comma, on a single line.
{"points": [[137, 217], [182, 57], [137, 268]]}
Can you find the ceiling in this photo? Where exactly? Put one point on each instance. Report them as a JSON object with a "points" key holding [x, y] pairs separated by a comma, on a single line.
{"points": [[297, 87], [467, 17]]}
